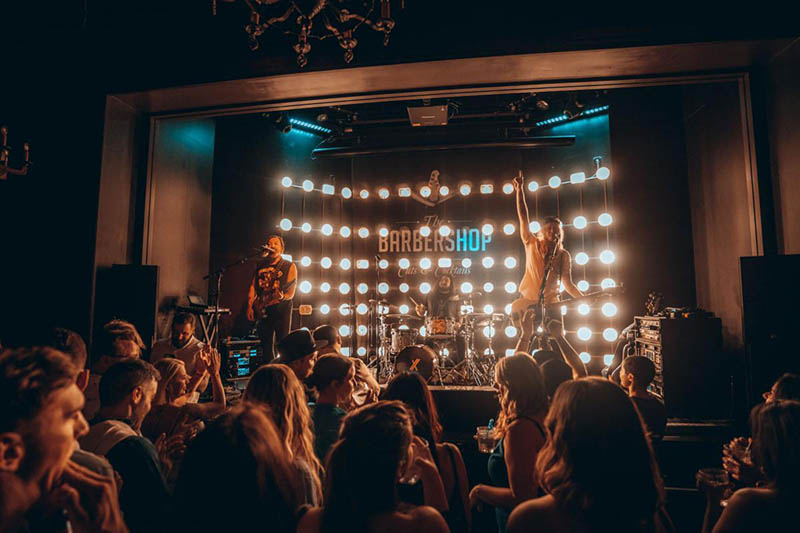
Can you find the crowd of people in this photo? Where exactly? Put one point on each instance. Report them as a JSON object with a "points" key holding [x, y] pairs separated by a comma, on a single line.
{"points": [[115, 443]]}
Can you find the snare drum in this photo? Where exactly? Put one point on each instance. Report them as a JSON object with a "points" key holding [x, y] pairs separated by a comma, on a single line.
{"points": [[440, 325], [403, 337]]}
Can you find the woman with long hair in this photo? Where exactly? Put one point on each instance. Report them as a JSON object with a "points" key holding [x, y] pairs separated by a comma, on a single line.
{"points": [[237, 476], [597, 457], [520, 430], [411, 389], [375, 449], [775, 428], [332, 379], [277, 387]]}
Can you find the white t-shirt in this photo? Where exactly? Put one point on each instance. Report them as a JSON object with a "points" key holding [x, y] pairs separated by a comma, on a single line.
{"points": [[187, 354]]}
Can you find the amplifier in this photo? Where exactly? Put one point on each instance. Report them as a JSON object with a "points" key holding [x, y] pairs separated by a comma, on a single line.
{"points": [[241, 357]]}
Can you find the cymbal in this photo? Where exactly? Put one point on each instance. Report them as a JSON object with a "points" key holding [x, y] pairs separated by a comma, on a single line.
{"points": [[401, 316]]}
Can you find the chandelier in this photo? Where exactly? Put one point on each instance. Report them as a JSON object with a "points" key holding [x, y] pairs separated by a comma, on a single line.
{"points": [[318, 19]]}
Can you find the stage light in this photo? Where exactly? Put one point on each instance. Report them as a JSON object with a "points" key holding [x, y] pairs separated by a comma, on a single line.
{"points": [[466, 288], [487, 188], [425, 263], [585, 358], [403, 288], [383, 287], [464, 189], [487, 262], [507, 309], [511, 332], [489, 332], [583, 285], [308, 185], [509, 352], [362, 351], [403, 309], [607, 257], [488, 287], [610, 334], [362, 309], [324, 309], [444, 262], [404, 263], [383, 193], [345, 264], [404, 192], [445, 352], [363, 232], [608, 359], [488, 309], [487, 229], [578, 177], [510, 262], [609, 309], [425, 191], [580, 222], [560, 286], [327, 230], [554, 182], [383, 264], [344, 288], [466, 262], [424, 287], [607, 283], [604, 220], [347, 193], [444, 190], [362, 264], [364, 194], [362, 330], [344, 231], [584, 333], [581, 258], [286, 181], [362, 288], [325, 287], [603, 173], [306, 227], [345, 351], [444, 230], [344, 331], [509, 229], [534, 226], [563, 310], [511, 287], [325, 262], [328, 189], [425, 231], [488, 351], [533, 186], [584, 309], [305, 287], [305, 261], [383, 231], [286, 224]]}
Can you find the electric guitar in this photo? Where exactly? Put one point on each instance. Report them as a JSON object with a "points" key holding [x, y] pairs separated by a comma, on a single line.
{"points": [[521, 305], [275, 296]]}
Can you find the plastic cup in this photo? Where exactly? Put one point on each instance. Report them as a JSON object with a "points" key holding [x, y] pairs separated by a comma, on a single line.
{"points": [[484, 438]]}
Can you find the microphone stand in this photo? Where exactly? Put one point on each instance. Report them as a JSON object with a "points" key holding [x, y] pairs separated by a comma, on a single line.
{"points": [[540, 307]]}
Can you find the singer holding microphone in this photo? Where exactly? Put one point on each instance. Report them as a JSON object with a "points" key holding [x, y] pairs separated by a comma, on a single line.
{"points": [[269, 301]]}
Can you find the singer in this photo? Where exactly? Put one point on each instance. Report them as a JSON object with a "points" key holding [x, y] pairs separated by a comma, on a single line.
{"points": [[269, 300]]}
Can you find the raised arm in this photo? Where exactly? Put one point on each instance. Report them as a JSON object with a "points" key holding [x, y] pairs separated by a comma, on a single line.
{"points": [[522, 209]]}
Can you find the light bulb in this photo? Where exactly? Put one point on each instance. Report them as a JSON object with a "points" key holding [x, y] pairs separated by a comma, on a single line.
{"points": [[583, 285], [324, 309], [487, 262], [511, 287], [383, 264], [489, 331], [580, 222], [425, 231], [466, 288], [363, 232], [345, 264], [585, 358], [383, 231], [507, 309], [464, 189], [344, 331], [488, 287], [425, 191], [362, 330], [487, 188], [383, 193], [466, 262], [487, 229], [610, 334], [534, 226], [533, 186], [488, 309], [607, 257], [325, 262], [344, 288], [325, 287], [344, 231], [554, 182], [581, 258], [404, 263], [603, 173], [286, 224], [607, 283], [403, 288], [444, 262], [510, 262], [347, 193], [404, 192], [609, 309], [305, 261], [362, 351], [362, 264], [424, 287], [362, 309], [327, 230], [308, 185], [383, 287], [604, 220], [444, 230], [511, 332], [286, 181], [306, 227], [364, 194], [305, 287], [328, 189], [444, 190], [362, 288], [508, 188], [425, 263], [584, 309], [584, 333], [509, 229], [578, 177], [608, 359]]}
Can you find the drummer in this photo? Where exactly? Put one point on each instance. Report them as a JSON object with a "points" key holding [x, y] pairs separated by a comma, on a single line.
{"points": [[444, 303]]}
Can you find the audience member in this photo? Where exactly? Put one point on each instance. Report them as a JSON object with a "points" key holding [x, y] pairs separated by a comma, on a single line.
{"points": [[40, 422], [182, 345], [775, 427], [597, 467], [635, 375], [366, 388], [411, 389], [276, 387], [299, 352], [332, 379], [237, 476], [520, 429], [362, 473], [554, 372], [126, 392]]}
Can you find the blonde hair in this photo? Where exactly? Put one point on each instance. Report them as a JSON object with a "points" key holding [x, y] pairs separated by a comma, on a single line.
{"points": [[523, 391], [168, 368], [277, 387]]}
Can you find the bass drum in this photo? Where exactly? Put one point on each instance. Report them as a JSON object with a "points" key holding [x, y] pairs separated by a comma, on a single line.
{"points": [[402, 338], [416, 358]]}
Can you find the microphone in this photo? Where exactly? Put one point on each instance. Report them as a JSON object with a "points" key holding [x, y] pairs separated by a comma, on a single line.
{"points": [[266, 248]]}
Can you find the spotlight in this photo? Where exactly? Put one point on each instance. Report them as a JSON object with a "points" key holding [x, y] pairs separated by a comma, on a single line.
{"points": [[489, 331], [362, 264], [305, 261], [554, 182], [306, 227], [581, 258], [425, 231], [487, 229], [362, 288], [362, 351], [404, 263], [362, 309], [464, 189], [534, 227], [466, 288], [364, 194], [345, 264], [403, 287], [424, 287], [607, 257], [509, 229], [508, 188], [404, 192], [584, 309], [383, 264], [487, 262], [507, 309], [444, 190], [580, 222], [325, 262], [328, 189], [327, 230], [344, 331], [305, 287], [488, 287], [324, 309], [578, 177], [444, 230], [308, 185], [362, 330], [487, 188], [488, 309], [509, 352], [425, 191], [511, 332], [286, 224], [403, 309], [325, 287], [609, 309], [425, 263], [510, 262], [584, 333], [585, 358], [383, 287], [383, 231], [533, 186], [610, 334], [607, 283], [363, 232], [347, 193], [280, 121], [511, 287], [383, 193], [604, 219], [286, 181], [444, 262], [603, 173], [345, 232], [466, 262], [608, 359]]}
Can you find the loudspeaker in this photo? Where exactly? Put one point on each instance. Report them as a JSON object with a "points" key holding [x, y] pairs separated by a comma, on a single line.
{"points": [[127, 292], [770, 295]]}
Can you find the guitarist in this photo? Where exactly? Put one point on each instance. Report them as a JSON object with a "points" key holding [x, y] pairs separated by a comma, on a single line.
{"points": [[545, 255], [269, 300]]}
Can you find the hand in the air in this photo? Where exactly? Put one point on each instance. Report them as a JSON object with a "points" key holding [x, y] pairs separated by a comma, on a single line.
{"points": [[251, 316], [420, 309], [518, 182]]}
